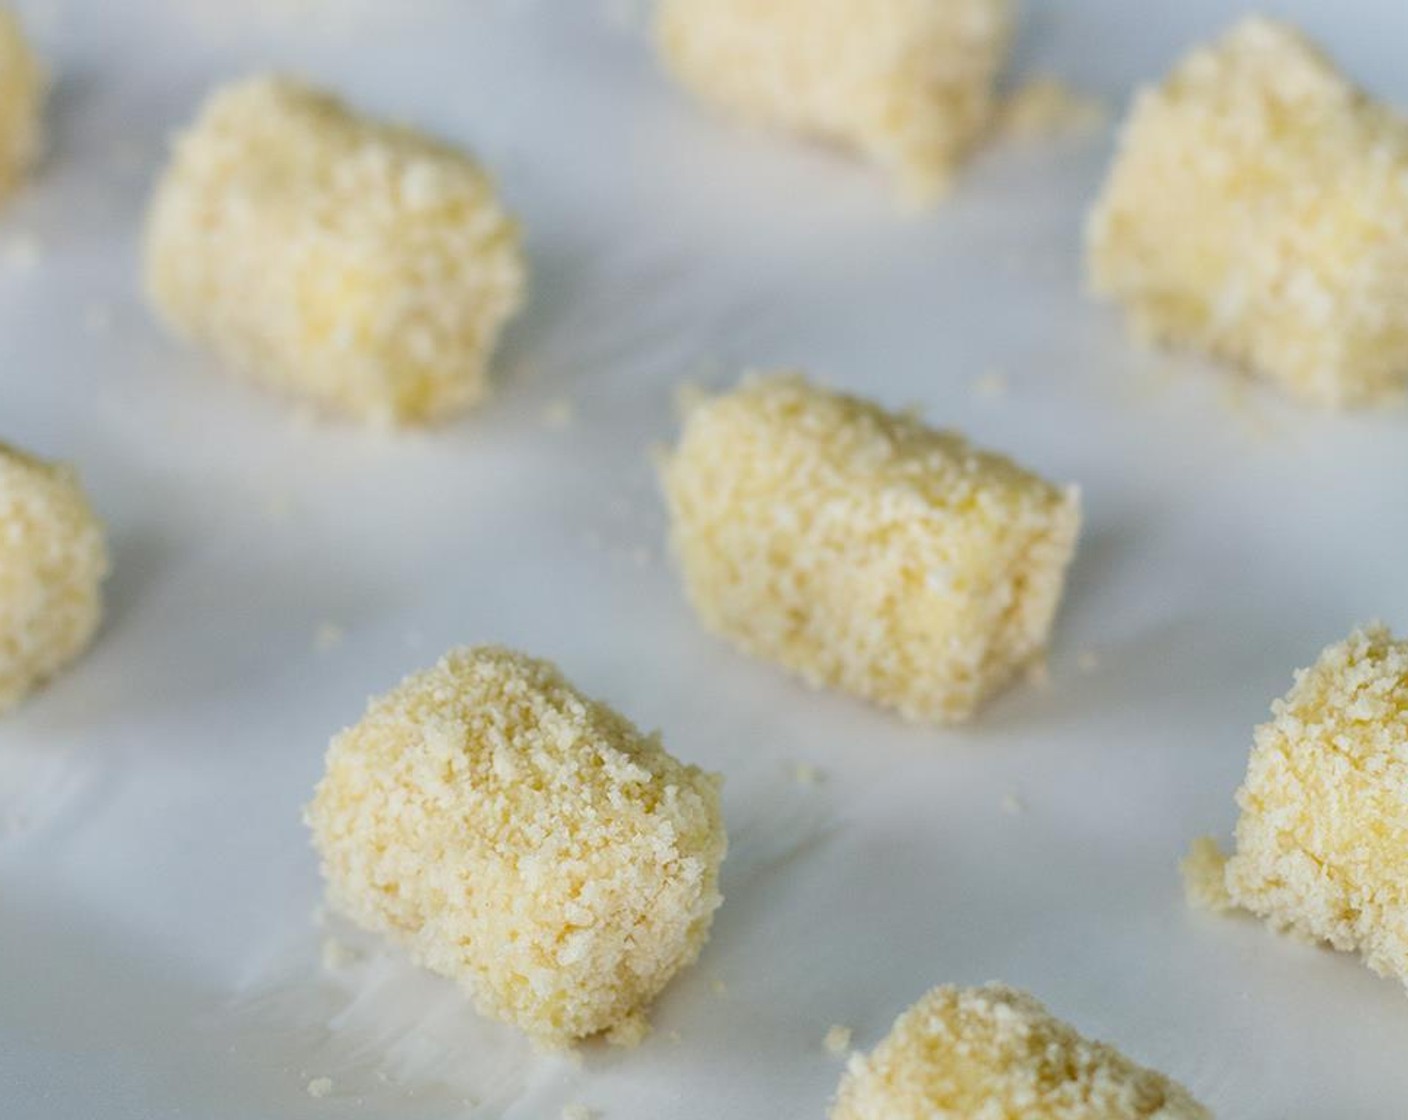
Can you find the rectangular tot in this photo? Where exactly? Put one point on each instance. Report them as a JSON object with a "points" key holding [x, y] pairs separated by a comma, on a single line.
{"points": [[907, 83], [863, 550], [1258, 211], [523, 839], [1322, 842], [359, 266], [22, 88]]}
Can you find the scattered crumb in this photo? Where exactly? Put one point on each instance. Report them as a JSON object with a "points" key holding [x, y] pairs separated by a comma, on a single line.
{"points": [[837, 1040], [718, 987], [1087, 661], [1204, 881], [23, 252], [630, 1032], [1013, 805], [805, 774], [579, 1112], [278, 507], [97, 318], [559, 414], [991, 386], [328, 637], [338, 955], [642, 557], [1047, 107], [674, 1038], [319, 1087]]}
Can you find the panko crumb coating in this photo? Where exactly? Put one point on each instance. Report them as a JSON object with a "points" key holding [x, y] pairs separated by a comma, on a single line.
{"points": [[358, 266], [523, 839], [993, 1052], [863, 550], [53, 560]]}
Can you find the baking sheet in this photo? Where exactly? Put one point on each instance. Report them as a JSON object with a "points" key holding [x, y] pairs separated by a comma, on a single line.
{"points": [[160, 940]]}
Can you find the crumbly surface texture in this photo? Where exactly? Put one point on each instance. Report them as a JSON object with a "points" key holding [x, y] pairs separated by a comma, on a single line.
{"points": [[22, 89], [1322, 841], [1258, 211], [907, 83], [358, 266], [53, 559], [523, 839], [994, 1053], [863, 550]]}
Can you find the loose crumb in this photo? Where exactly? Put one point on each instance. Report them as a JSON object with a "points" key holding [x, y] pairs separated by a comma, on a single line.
{"points": [[1048, 106], [559, 415], [630, 1032], [328, 637], [1204, 871], [805, 774], [1013, 805], [278, 506], [319, 1087], [338, 955], [1038, 675], [23, 252], [837, 1040], [579, 1112], [718, 987], [990, 386], [1087, 661]]}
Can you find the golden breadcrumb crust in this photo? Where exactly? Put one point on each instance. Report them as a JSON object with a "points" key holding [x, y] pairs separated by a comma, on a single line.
{"points": [[53, 559], [907, 83], [359, 266], [523, 839], [994, 1053], [22, 88], [863, 550], [1322, 841], [1258, 211]]}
